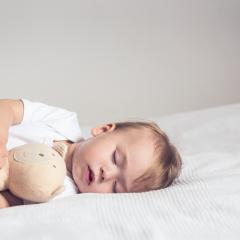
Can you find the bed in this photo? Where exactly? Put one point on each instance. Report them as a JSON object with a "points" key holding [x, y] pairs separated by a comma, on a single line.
{"points": [[204, 203]]}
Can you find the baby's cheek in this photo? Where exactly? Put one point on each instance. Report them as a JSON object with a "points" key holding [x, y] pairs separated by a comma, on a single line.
{"points": [[75, 174]]}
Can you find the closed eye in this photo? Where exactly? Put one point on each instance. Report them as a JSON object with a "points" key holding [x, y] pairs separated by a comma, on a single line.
{"points": [[114, 160]]}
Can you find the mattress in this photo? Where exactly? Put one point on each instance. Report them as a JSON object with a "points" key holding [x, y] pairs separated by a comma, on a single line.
{"points": [[204, 203]]}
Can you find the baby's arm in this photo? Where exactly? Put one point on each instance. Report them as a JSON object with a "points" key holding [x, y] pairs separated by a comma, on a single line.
{"points": [[7, 199], [11, 112]]}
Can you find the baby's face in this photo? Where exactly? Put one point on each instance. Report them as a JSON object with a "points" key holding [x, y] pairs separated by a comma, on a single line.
{"points": [[115, 159]]}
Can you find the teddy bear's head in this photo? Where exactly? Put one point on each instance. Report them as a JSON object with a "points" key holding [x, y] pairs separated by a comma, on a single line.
{"points": [[36, 172]]}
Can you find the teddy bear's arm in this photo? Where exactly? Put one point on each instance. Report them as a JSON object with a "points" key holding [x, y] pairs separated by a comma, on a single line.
{"points": [[61, 148]]}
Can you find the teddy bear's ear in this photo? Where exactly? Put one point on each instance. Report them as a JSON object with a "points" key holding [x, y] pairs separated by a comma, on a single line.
{"points": [[61, 148]]}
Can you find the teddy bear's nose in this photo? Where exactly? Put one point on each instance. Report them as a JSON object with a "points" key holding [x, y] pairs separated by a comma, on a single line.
{"points": [[41, 154]]}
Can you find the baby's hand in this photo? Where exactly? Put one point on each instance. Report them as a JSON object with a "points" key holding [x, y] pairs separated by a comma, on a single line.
{"points": [[3, 154]]}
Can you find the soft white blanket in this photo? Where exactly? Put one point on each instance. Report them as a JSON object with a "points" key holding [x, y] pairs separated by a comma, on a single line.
{"points": [[203, 204]]}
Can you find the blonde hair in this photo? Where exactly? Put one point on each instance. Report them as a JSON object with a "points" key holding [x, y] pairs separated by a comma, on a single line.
{"points": [[168, 162]]}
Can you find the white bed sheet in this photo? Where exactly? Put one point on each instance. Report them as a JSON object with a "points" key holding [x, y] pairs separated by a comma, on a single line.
{"points": [[203, 204]]}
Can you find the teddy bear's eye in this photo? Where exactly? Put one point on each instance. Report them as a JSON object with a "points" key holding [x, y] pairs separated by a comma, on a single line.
{"points": [[41, 154]]}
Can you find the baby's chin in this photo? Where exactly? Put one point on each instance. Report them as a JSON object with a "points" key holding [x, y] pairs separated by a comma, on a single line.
{"points": [[77, 186]]}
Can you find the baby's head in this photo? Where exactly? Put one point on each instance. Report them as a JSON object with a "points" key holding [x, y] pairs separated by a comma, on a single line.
{"points": [[125, 157]]}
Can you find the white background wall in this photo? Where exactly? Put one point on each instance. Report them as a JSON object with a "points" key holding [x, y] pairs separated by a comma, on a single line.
{"points": [[115, 60]]}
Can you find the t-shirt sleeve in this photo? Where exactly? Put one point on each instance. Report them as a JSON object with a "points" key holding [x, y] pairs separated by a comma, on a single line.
{"points": [[63, 121]]}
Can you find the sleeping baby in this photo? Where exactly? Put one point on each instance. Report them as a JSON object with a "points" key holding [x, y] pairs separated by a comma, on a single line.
{"points": [[118, 157]]}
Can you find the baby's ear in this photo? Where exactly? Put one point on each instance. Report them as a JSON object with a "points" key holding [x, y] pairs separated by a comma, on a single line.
{"points": [[61, 148], [102, 129]]}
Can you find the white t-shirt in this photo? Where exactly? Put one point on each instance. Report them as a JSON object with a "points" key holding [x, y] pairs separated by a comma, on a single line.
{"points": [[43, 124]]}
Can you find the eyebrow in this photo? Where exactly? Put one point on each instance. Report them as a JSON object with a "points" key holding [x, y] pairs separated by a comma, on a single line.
{"points": [[124, 165]]}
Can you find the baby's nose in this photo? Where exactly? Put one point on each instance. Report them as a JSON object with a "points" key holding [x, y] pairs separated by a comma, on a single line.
{"points": [[110, 174]]}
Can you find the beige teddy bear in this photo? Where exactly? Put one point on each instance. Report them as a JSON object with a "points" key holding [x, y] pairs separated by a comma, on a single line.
{"points": [[34, 172]]}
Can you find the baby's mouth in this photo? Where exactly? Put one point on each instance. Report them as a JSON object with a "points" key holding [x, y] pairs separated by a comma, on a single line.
{"points": [[90, 175]]}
